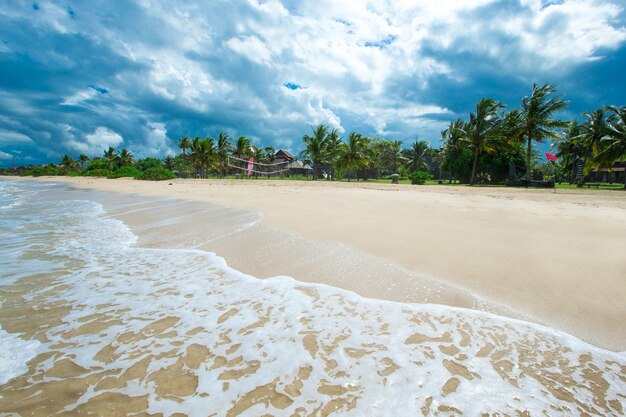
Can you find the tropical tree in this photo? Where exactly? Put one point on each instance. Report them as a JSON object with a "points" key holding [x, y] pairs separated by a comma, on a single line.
{"points": [[614, 144], [203, 155], [184, 143], [482, 127], [243, 147], [68, 161], [568, 148], [354, 154], [169, 162], [592, 131], [316, 148], [83, 160], [125, 158], [110, 156], [537, 117], [456, 155], [416, 155], [259, 155], [386, 155], [224, 148]]}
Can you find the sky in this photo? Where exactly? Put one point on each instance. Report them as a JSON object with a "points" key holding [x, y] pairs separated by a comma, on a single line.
{"points": [[80, 76]]}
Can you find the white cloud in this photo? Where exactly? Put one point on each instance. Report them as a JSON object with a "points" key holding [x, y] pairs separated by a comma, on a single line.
{"points": [[251, 48], [80, 96], [13, 138], [5, 156], [102, 138]]}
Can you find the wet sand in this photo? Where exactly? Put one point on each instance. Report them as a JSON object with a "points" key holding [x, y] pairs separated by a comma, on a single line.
{"points": [[556, 259]]}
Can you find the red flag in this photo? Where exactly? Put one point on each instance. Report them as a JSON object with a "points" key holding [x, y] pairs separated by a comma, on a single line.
{"points": [[551, 157], [250, 165]]}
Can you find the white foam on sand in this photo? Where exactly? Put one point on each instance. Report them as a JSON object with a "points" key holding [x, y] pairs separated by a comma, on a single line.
{"points": [[14, 354]]}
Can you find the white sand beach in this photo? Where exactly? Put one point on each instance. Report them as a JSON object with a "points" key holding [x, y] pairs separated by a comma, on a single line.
{"points": [[552, 258]]}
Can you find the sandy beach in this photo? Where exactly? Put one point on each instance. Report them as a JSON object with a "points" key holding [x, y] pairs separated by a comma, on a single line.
{"points": [[552, 258]]}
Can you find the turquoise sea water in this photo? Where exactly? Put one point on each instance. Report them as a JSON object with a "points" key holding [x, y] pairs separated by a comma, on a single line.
{"points": [[91, 322]]}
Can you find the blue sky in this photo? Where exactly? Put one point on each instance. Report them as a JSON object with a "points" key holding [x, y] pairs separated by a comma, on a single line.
{"points": [[77, 77]]}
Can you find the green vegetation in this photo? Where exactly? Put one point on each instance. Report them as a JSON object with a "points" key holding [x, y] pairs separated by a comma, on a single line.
{"points": [[492, 146], [419, 177], [156, 174], [126, 171]]}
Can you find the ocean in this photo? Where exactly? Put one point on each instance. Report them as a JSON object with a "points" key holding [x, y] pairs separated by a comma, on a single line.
{"points": [[92, 322]]}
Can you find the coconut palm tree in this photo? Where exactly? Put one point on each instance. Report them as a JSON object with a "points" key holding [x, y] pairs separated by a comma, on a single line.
{"points": [[184, 143], [270, 154], [537, 117], [416, 155], [568, 148], [203, 155], [482, 127], [110, 155], [316, 148], [68, 162], [83, 160], [224, 148], [455, 150], [354, 154], [592, 131], [125, 158], [243, 147], [613, 147], [169, 162]]}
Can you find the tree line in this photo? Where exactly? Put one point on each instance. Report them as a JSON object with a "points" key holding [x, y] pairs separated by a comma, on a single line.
{"points": [[482, 147]]}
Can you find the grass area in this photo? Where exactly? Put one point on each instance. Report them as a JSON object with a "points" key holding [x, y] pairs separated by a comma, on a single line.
{"points": [[602, 186]]}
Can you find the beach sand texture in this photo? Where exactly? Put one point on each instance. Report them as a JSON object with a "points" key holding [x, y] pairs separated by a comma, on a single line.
{"points": [[554, 258], [139, 328]]}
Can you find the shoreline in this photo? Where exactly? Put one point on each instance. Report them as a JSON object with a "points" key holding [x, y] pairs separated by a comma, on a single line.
{"points": [[443, 217]]}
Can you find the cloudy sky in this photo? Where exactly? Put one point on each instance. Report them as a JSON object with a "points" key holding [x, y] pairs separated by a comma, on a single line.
{"points": [[79, 76]]}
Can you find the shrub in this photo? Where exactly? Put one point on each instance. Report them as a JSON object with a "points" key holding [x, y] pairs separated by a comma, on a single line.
{"points": [[149, 163], [127, 171], [156, 174], [97, 163], [419, 177], [45, 171], [402, 172], [96, 173]]}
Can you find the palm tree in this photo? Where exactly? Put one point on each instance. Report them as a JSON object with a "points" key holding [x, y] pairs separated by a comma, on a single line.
{"points": [[454, 145], [537, 120], [592, 131], [270, 154], [169, 162], [125, 158], [110, 155], [614, 144], [203, 155], [354, 154], [259, 155], [416, 155], [243, 147], [482, 127], [68, 161], [333, 145], [316, 148], [390, 155], [224, 148], [83, 160], [184, 143], [568, 148]]}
